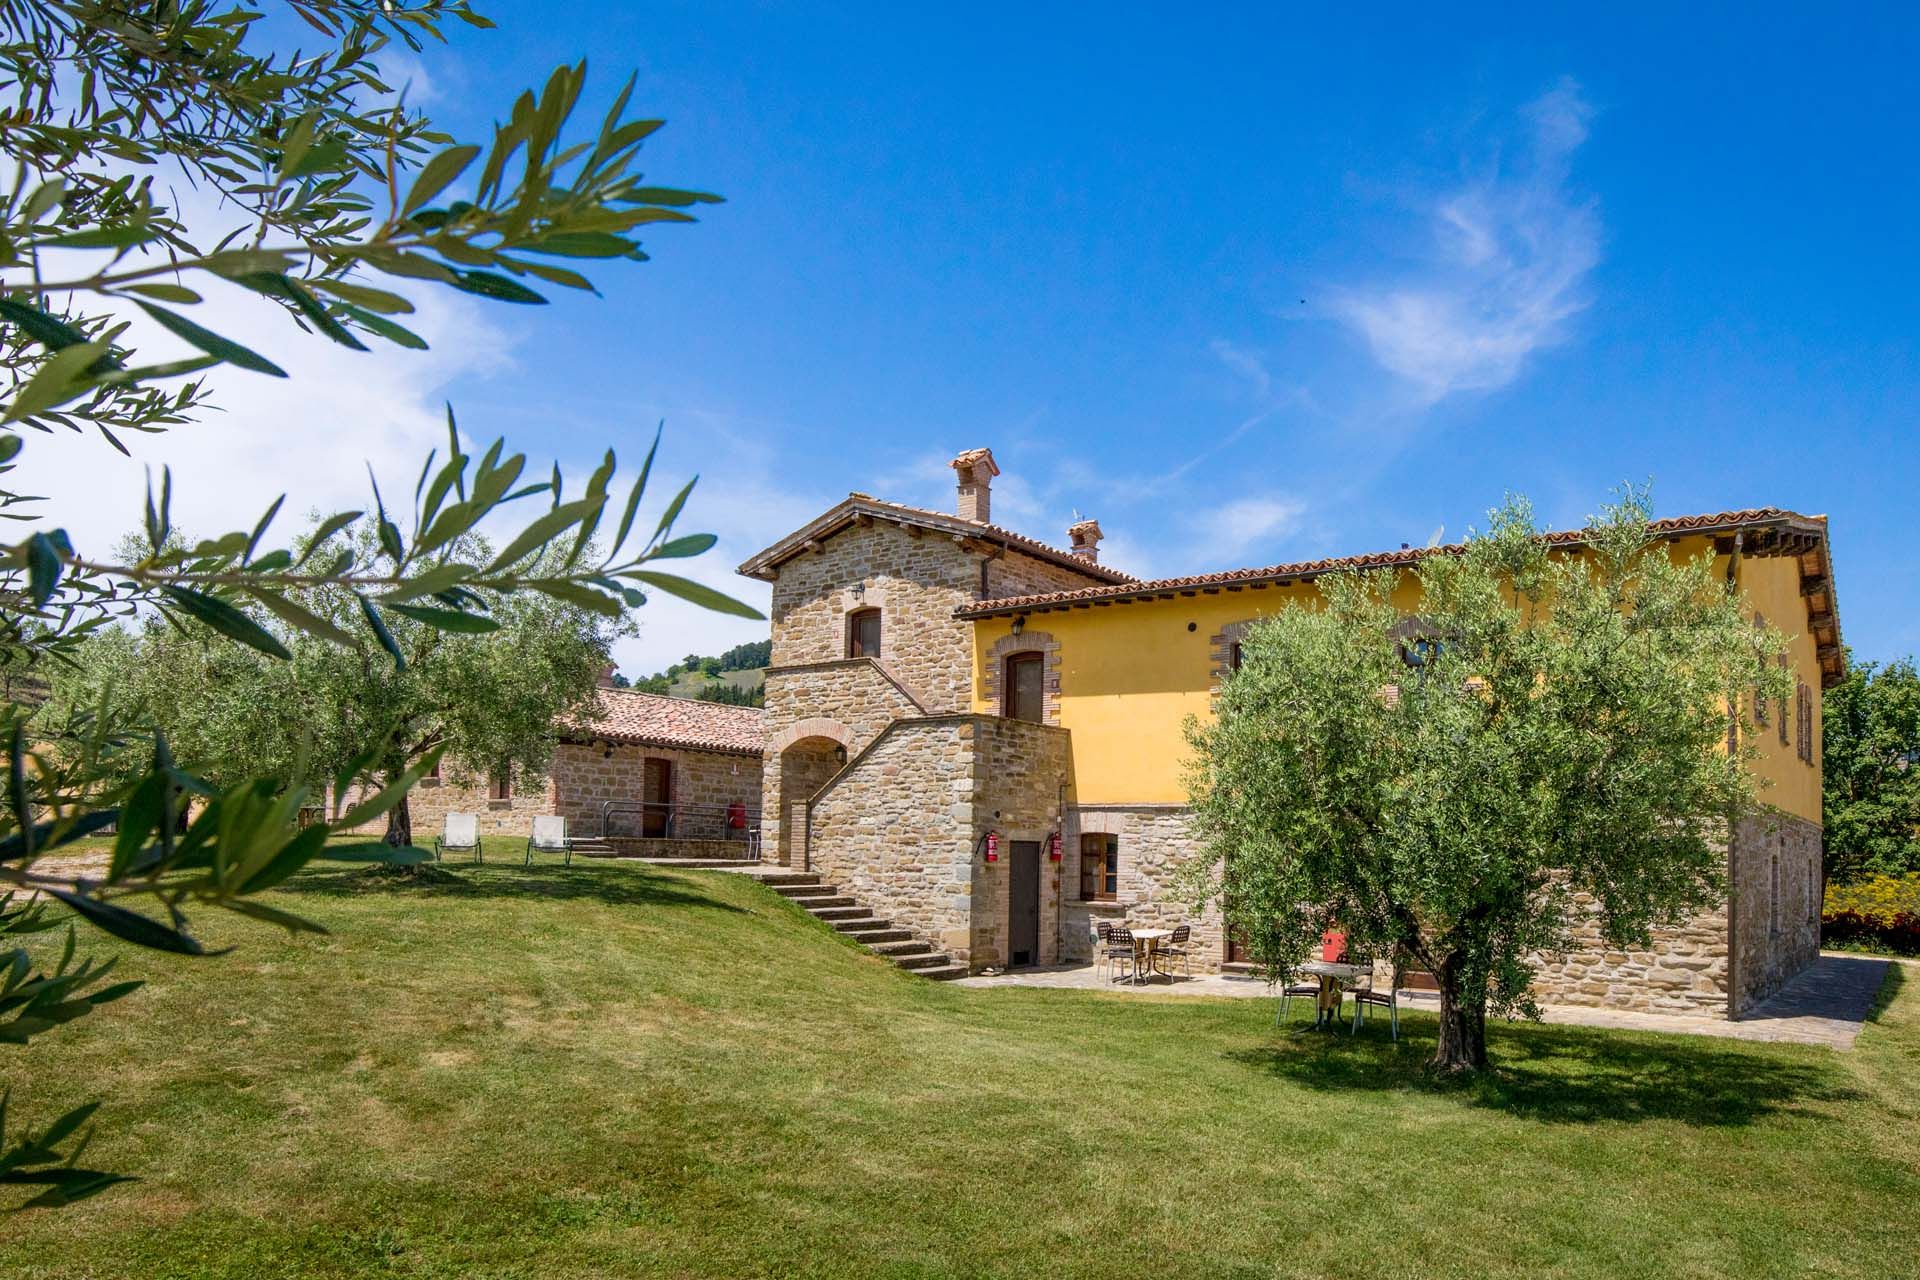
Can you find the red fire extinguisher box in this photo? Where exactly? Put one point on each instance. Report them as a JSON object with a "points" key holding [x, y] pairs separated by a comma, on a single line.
{"points": [[1333, 945], [993, 846]]}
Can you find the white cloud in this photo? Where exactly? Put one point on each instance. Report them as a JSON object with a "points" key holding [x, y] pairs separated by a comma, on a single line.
{"points": [[1511, 252], [1230, 530], [311, 435], [1248, 365]]}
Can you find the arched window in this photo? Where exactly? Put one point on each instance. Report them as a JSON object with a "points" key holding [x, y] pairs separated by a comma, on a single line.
{"points": [[1026, 687], [863, 633]]}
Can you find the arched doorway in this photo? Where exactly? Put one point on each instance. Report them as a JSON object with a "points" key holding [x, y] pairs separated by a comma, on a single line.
{"points": [[806, 765]]}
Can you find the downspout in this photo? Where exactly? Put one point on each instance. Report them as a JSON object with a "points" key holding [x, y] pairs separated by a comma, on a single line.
{"points": [[1735, 1004]]}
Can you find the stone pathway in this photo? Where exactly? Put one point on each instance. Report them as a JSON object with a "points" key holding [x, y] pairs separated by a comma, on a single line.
{"points": [[1825, 1005]]}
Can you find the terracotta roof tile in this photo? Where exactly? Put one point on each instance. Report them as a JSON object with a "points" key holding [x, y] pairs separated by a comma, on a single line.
{"points": [[1729, 521], [652, 719], [857, 503]]}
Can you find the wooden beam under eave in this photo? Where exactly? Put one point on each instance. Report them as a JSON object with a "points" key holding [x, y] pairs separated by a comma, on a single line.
{"points": [[863, 519], [811, 544], [912, 530], [1811, 585]]}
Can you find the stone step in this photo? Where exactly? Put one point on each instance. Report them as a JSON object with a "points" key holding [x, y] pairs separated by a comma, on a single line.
{"points": [[797, 892], [825, 902], [848, 912], [928, 960], [682, 864], [778, 880], [861, 925], [908, 946], [875, 939], [945, 973]]}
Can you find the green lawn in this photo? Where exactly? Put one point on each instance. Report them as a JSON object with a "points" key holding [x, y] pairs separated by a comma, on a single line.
{"points": [[615, 1071]]}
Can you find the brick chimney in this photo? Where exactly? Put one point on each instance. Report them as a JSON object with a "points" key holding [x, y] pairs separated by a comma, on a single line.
{"points": [[1084, 539], [606, 676], [975, 471]]}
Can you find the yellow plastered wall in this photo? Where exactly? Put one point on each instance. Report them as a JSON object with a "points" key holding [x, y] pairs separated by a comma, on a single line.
{"points": [[1130, 675]]}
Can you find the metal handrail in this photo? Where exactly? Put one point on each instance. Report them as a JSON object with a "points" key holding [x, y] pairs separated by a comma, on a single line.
{"points": [[685, 821]]}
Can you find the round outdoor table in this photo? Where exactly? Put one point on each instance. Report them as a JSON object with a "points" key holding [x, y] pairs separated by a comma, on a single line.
{"points": [[1330, 973], [1143, 950]]}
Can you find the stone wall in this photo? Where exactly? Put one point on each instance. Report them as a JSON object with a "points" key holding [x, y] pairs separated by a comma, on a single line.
{"points": [[1154, 840], [1020, 779], [459, 791], [1775, 904], [1724, 960], [1014, 574], [896, 830], [915, 578], [579, 779], [585, 778], [1683, 971], [845, 702], [900, 829]]}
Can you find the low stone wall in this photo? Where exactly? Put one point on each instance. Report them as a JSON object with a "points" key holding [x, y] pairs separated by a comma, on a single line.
{"points": [[1683, 971], [733, 850]]}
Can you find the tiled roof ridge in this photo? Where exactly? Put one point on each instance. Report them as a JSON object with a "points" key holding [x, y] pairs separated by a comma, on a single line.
{"points": [[637, 716], [1373, 560], [784, 548]]}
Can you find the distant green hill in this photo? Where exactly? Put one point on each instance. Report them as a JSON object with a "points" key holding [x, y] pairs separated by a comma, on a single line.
{"points": [[735, 676]]}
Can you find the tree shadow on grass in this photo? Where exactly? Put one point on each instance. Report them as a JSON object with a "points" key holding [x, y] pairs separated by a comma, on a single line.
{"points": [[1889, 990], [616, 886], [1570, 1075]]}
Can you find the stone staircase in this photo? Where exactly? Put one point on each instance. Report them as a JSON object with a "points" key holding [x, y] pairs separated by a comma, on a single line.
{"points": [[826, 902]]}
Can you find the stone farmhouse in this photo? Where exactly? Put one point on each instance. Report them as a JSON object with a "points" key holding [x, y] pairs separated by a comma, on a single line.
{"points": [[978, 736], [652, 775]]}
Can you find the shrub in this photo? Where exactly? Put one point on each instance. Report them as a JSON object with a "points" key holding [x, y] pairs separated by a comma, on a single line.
{"points": [[1878, 913]]}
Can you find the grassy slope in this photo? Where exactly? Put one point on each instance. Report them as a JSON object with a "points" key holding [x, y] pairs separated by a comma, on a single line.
{"points": [[613, 1071]]}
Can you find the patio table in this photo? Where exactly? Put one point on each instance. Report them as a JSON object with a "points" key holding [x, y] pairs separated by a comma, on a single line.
{"points": [[1144, 949], [1330, 973]]}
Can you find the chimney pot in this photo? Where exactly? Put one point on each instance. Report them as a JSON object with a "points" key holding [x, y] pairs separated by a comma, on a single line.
{"points": [[1084, 540], [974, 471]]}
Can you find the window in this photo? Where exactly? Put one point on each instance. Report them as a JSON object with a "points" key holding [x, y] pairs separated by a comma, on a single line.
{"points": [[1803, 714], [1233, 656], [1099, 868], [1025, 696], [1783, 708], [500, 785], [863, 633]]}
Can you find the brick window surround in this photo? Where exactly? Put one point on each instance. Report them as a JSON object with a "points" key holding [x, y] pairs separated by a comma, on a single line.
{"points": [[993, 679], [1222, 647]]}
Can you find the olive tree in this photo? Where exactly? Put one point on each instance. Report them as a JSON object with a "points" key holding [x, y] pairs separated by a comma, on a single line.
{"points": [[338, 203], [1545, 743]]}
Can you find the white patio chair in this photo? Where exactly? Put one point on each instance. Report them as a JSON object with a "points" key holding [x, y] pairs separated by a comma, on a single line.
{"points": [[549, 836], [461, 835]]}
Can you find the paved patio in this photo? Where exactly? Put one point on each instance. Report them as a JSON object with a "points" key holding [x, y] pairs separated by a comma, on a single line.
{"points": [[1826, 1005]]}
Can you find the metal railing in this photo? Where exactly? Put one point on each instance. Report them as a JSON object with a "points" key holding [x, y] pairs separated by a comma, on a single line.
{"points": [[642, 820]]}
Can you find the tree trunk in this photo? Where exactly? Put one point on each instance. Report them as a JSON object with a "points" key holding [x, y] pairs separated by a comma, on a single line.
{"points": [[400, 824], [1463, 1024]]}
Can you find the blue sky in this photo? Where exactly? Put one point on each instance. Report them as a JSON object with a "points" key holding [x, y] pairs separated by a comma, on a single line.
{"points": [[1247, 286]]}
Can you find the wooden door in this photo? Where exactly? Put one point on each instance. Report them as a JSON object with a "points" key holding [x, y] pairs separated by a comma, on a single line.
{"points": [[656, 798], [1023, 903]]}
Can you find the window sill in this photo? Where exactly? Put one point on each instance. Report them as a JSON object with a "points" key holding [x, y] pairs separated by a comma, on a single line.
{"points": [[500, 804]]}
